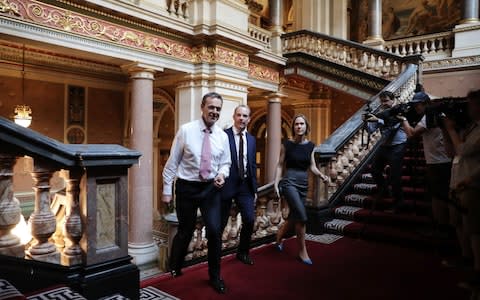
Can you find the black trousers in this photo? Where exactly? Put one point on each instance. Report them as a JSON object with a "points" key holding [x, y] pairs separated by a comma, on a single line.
{"points": [[191, 195], [244, 199], [392, 156]]}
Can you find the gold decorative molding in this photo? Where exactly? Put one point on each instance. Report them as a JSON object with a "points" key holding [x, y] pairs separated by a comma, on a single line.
{"points": [[263, 73], [75, 23]]}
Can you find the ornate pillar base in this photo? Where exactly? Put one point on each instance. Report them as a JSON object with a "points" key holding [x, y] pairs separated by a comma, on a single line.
{"points": [[143, 254], [466, 39], [53, 258], [374, 42], [16, 251]]}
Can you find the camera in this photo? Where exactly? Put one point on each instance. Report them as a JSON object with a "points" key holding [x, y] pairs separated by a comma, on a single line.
{"points": [[453, 108], [389, 115]]}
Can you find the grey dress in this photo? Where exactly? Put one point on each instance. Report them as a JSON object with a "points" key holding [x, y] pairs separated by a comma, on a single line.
{"points": [[294, 184]]}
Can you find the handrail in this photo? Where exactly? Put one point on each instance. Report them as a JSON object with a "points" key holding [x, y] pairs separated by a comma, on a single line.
{"points": [[344, 133], [341, 153], [34, 144]]}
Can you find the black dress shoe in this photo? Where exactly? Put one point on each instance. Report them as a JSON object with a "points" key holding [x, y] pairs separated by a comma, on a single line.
{"points": [[218, 285], [244, 258], [176, 273]]}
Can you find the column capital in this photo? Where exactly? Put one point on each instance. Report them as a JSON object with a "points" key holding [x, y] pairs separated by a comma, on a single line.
{"points": [[275, 97], [140, 70]]}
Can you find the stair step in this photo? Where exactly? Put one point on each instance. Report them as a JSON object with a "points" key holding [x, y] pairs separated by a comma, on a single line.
{"points": [[380, 217], [366, 201], [396, 235]]}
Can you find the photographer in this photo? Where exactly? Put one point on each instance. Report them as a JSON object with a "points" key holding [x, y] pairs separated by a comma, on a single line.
{"points": [[437, 159], [466, 178], [392, 149]]}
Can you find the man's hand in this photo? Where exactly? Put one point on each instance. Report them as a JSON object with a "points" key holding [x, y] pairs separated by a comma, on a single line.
{"points": [[370, 118], [401, 118], [166, 198], [219, 180]]}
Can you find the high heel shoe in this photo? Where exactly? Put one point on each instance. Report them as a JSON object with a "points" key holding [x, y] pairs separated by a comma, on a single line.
{"points": [[306, 261], [279, 247]]}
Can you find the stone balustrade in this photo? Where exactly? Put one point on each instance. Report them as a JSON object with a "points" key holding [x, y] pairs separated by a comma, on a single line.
{"points": [[431, 46], [262, 35], [341, 155], [269, 215], [345, 53], [81, 232]]}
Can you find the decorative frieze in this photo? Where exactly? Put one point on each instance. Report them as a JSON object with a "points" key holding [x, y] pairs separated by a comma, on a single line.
{"points": [[263, 73], [454, 62]]}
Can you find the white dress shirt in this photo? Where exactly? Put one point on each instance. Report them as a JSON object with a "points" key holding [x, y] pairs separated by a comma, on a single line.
{"points": [[184, 160], [236, 135]]}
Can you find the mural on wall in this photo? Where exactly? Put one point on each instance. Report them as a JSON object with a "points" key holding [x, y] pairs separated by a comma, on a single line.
{"points": [[407, 18]]}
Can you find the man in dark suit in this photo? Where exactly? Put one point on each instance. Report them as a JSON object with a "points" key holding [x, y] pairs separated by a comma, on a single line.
{"points": [[241, 185]]}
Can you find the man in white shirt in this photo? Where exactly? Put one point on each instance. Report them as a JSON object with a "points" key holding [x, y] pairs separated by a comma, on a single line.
{"points": [[438, 161], [199, 161]]}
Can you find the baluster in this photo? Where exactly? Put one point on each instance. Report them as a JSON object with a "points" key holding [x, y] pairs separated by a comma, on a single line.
{"points": [[378, 65], [371, 62], [335, 51], [73, 231], [441, 47], [356, 60], [433, 47], [42, 221], [410, 48], [9, 209], [386, 68], [275, 216], [348, 56], [397, 49], [425, 47], [364, 60], [417, 48], [403, 50], [328, 48]]}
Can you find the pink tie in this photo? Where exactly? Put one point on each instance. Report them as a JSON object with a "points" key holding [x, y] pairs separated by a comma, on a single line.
{"points": [[206, 156]]}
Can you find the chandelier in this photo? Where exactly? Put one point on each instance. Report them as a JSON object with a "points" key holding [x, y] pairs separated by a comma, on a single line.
{"points": [[23, 112]]}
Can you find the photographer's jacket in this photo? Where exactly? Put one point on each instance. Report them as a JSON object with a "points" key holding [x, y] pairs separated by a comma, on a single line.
{"points": [[393, 133]]}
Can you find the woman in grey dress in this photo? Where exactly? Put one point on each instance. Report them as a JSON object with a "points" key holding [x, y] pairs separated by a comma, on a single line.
{"points": [[296, 157]]}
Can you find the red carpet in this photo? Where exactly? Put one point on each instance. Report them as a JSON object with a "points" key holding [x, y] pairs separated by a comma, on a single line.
{"points": [[346, 269]]}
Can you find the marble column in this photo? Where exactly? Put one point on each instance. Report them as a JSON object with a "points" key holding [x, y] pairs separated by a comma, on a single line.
{"points": [[470, 12], [276, 19], [274, 134], [140, 239], [374, 38]]}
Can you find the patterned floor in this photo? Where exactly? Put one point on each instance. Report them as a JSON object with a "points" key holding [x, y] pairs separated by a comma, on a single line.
{"points": [[8, 291]]}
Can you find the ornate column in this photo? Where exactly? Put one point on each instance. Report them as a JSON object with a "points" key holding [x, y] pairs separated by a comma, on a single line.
{"points": [[42, 222], [73, 230], [274, 134], [470, 12], [9, 209], [374, 38], [140, 240], [276, 18]]}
